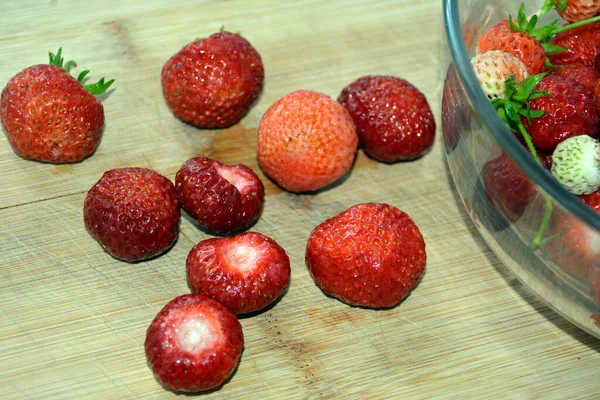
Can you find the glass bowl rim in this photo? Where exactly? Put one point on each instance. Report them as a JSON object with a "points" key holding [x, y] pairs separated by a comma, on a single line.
{"points": [[505, 138]]}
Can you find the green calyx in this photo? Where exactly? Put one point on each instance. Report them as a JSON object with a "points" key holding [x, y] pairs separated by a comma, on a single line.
{"points": [[95, 88], [543, 34], [512, 109], [558, 5]]}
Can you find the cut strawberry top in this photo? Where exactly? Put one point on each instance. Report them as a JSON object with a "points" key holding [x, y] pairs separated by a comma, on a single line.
{"points": [[242, 257]]}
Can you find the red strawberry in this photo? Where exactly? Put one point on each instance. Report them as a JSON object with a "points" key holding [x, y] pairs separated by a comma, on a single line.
{"points": [[393, 119], [306, 141], [577, 10], [581, 46], [193, 344], [221, 198], [245, 273], [213, 82], [133, 213], [587, 75], [370, 255], [570, 110], [507, 186], [50, 116], [592, 200]]}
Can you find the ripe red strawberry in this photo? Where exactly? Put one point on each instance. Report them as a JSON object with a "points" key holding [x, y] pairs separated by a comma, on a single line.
{"points": [[370, 255], [193, 344], [50, 116], [221, 198], [592, 200], [245, 273], [213, 82], [133, 213], [306, 141], [393, 119], [570, 110], [507, 186], [581, 46], [577, 10], [587, 75]]}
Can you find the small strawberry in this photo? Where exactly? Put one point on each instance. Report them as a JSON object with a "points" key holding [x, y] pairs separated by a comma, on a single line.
{"points": [[393, 119], [193, 344], [586, 75], [213, 82], [306, 141], [245, 273], [574, 10], [592, 200], [133, 213], [493, 68], [576, 164], [570, 110], [221, 198], [50, 116], [370, 255]]}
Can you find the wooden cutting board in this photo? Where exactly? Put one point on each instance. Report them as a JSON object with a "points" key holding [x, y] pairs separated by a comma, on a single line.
{"points": [[73, 319]]}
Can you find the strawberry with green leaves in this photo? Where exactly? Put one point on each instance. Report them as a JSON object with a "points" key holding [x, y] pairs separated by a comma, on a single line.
{"points": [[50, 116], [573, 10]]}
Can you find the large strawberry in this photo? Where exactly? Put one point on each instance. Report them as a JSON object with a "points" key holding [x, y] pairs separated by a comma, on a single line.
{"points": [[370, 255], [245, 273], [580, 45], [569, 110], [133, 213], [50, 116], [193, 344], [393, 119], [213, 82], [306, 141], [221, 198], [587, 75]]}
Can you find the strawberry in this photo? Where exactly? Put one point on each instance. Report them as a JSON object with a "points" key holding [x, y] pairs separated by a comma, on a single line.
{"points": [[393, 119], [193, 344], [570, 110], [587, 75], [576, 10], [370, 255], [245, 273], [50, 116], [212, 82], [306, 141], [581, 45], [507, 186], [493, 68], [592, 200], [221, 198], [133, 213], [576, 164]]}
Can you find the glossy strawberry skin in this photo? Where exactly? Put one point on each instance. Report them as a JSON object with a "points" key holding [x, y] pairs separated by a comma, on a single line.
{"points": [[393, 119], [507, 187], [306, 141], [587, 75], [217, 204], [581, 46], [520, 44], [245, 273], [185, 366], [48, 116], [370, 255], [568, 112], [213, 82], [133, 213]]}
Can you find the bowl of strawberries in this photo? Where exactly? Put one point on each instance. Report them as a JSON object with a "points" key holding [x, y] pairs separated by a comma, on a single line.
{"points": [[521, 128]]}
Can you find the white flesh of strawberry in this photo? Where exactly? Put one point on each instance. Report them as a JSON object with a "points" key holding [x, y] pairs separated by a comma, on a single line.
{"points": [[493, 68], [576, 164], [194, 335], [244, 256], [236, 177]]}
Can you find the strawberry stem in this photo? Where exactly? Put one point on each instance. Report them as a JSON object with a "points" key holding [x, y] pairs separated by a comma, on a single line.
{"points": [[576, 24]]}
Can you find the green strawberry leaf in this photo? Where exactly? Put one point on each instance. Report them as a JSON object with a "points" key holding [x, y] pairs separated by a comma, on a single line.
{"points": [[99, 87], [96, 88]]}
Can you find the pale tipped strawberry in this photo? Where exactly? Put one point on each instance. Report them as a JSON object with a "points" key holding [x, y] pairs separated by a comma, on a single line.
{"points": [[193, 344], [245, 273], [221, 198], [493, 68], [50, 116], [576, 164]]}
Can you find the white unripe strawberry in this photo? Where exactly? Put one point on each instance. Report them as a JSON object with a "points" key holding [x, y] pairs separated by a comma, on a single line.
{"points": [[576, 164], [493, 68]]}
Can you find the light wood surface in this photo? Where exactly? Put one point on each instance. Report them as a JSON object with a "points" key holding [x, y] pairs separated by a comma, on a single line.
{"points": [[73, 319]]}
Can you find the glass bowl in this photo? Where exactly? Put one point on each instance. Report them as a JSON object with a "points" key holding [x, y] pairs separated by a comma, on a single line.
{"points": [[546, 236]]}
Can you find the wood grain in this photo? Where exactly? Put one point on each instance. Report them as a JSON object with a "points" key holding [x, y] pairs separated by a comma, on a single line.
{"points": [[73, 319]]}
